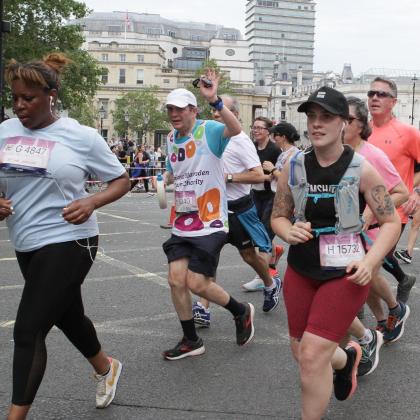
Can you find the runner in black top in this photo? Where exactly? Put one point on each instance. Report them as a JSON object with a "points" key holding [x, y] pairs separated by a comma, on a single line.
{"points": [[321, 308]]}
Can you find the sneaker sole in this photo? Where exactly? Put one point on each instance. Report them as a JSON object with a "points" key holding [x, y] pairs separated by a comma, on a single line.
{"points": [[114, 390], [202, 324], [252, 325], [405, 317], [379, 344], [402, 258], [354, 371], [256, 289], [196, 352]]}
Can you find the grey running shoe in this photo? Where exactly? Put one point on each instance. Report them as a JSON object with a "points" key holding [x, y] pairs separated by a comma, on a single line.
{"points": [[404, 288], [370, 354], [395, 324], [185, 348], [403, 256]]}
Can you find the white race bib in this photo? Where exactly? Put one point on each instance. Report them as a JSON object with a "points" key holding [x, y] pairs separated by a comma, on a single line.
{"points": [[338, 251], [26, 154], [185, 202]]}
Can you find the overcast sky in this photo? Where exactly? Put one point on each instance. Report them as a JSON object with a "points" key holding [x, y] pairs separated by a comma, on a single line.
{"points": [[366, 33]]}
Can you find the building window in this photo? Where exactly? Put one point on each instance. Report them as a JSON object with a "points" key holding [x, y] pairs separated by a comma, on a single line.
{"points": [[104, 57], [104, 76], [140, 76], [283, 115], [122, 76], [171, 34], [140, 58], [230, 52], [166, 81], [174, 50], [283, 103], [284, 92], [122, 58], [284, 76], [103, 103]]}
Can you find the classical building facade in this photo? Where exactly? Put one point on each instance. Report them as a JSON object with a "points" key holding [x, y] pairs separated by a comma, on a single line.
{"points": [[140, 49]]}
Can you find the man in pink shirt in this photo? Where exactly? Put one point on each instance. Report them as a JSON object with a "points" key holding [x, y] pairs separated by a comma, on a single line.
{"points": [[401, 143]]}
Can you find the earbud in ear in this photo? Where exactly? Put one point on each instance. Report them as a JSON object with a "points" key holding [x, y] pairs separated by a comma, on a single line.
{"points": [[51, 100]]}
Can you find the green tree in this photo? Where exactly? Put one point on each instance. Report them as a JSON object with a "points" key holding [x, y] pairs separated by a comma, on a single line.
{"points": [[40, 27], [140, 112], [87, 114], [225, 87]]}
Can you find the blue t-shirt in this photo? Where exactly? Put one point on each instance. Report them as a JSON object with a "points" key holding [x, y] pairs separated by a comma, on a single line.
{"points": [[216, 140], [38, 199]]}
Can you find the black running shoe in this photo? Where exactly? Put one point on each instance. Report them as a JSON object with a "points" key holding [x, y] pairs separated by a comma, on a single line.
{"points": [[403, 255], [245, 325], [185, 348], [345, 380], [370, 354]]}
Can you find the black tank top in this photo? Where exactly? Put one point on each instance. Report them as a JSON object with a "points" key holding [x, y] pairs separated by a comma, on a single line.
{"points": [[304, 258]]}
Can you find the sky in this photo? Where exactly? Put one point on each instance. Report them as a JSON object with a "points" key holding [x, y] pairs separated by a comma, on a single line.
{"points": [[366, 33]]}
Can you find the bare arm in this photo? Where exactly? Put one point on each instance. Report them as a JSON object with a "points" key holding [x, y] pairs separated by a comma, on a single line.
{"points": [[79, 211], [399, 195], [232, 124], [282, 212], [252, 176], [380, 202]]}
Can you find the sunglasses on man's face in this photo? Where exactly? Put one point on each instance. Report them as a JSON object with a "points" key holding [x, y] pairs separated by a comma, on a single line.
{"points": [[379, 94]]}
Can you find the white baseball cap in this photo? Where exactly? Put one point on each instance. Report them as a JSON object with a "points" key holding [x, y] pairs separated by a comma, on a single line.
{"points": [[181, 98]]}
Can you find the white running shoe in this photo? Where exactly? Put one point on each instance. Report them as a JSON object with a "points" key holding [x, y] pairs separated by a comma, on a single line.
{"points": [[107, 384], [254, 285]]}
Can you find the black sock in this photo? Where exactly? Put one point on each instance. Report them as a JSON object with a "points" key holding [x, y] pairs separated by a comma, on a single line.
{"points": [[235, 308], [188, 328], [394, 269]]}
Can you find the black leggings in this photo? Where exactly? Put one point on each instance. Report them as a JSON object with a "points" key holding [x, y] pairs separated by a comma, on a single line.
{"points": [[51, 296]]}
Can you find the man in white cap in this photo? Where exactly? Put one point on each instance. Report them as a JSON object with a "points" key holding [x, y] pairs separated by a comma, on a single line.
{"points": [[200, 228]]}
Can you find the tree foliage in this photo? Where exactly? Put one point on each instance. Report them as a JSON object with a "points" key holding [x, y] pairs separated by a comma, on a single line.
{"points": [[143, 111], [225, 87], [40, 27]]}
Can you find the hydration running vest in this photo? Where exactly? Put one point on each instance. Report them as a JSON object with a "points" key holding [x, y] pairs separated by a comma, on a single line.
{"points": [[346, 196]]}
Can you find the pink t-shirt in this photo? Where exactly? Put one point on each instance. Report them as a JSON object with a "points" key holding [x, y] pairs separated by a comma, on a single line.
{"points": [[380, 161], [401, 143]]}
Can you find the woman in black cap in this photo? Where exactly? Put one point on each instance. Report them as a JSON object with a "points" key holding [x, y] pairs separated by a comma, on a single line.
{"points": [[285, 135], [327, 279]]}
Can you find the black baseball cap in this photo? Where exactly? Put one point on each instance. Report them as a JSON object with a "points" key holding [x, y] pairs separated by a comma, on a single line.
{"points": [[328, 98], [285, 129]]}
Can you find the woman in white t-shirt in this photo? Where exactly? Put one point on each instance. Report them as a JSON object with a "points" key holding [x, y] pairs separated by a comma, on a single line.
{"points": [[44, 163]]}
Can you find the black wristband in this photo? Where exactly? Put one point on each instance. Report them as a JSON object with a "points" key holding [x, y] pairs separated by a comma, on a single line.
{"points": [[218, 104]]}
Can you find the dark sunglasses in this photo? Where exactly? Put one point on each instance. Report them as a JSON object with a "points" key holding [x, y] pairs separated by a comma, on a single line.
{"points": [[379, 94]]}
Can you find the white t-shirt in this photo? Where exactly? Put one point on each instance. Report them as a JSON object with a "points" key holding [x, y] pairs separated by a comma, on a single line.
{"points": [[75, 151], [239, 156]]}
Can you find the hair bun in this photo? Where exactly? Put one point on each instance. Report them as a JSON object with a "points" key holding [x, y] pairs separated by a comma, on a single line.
{"points": [[56, 61]]}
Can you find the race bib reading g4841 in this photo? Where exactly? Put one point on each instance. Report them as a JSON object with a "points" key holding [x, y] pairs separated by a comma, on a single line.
{"points": [[26, 154]]}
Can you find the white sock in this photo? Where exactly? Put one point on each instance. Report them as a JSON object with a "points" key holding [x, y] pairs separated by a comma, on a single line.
{"points": [[367, 338]]}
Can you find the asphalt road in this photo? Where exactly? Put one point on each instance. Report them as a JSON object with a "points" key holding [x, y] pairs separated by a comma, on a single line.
{"points": [[127, 297]]}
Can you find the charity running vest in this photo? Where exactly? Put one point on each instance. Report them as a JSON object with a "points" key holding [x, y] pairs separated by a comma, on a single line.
{"points": [[200, 188]]}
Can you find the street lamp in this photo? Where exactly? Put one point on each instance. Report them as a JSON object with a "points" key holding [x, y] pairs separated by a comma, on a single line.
{"points": [[102, 113], [412, 105], [126, 119]]}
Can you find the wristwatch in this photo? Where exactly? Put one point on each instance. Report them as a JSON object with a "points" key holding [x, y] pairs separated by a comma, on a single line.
{"points": [[229, 178]]}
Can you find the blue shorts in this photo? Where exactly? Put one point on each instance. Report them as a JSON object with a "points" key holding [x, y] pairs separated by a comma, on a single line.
{"points": [[245, 228]]}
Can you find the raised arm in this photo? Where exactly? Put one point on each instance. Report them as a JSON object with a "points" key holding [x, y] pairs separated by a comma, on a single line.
{"points": [[209, 93]]}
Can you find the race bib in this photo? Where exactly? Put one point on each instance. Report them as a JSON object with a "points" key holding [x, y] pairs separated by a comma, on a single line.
{"points": [[185, 202], [338, 251], [26, 154]]}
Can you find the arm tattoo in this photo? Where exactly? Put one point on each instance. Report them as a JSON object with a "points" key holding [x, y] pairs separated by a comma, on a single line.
{"points": [[283, 204], [385, 205]]}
